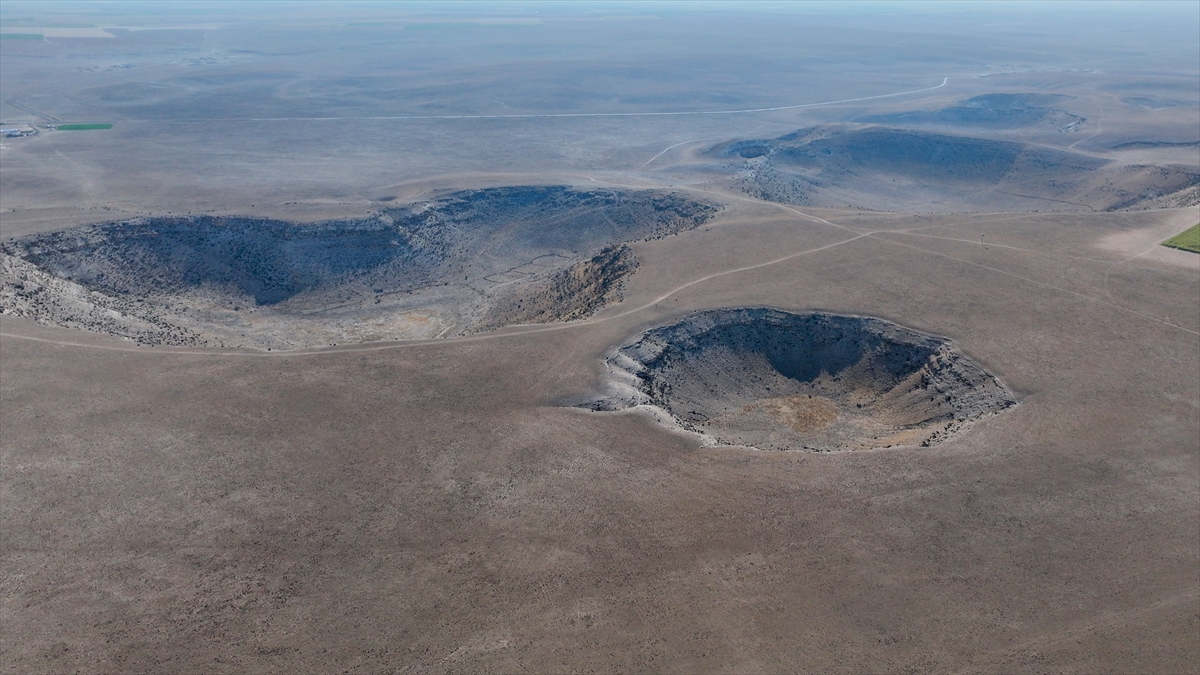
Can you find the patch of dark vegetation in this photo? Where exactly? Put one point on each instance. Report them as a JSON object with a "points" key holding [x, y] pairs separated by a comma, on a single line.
{"points": [[781, 381], [83, 127], [991, 111], [461, 248]]}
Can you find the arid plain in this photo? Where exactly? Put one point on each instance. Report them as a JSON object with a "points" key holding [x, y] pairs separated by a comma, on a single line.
{"points": [[399, 502]]}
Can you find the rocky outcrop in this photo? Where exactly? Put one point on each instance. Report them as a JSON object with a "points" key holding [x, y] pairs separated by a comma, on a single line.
{"points": [[781, 381], [464, 262]]}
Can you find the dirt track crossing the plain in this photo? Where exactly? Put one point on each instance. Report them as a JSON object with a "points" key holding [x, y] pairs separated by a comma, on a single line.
{"points": [[527, 329]]}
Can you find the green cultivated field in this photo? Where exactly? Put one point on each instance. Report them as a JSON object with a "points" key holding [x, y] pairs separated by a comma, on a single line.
{"points": [[83, 127], [20, 36], [1188, 240]]}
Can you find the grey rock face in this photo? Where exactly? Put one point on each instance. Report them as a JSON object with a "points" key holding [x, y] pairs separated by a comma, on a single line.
{"points": [[783, 381]]}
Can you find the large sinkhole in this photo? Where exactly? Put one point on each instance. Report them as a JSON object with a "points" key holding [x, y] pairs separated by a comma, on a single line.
{"points": [[780, 381], [464, 262]]}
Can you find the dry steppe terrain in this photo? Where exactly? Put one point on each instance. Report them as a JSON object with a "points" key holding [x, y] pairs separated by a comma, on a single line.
{"points": [[599, 338], [288, 511]]}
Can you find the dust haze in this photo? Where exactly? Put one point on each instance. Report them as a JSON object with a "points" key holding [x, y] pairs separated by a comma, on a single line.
{"points": [[541, 337]]}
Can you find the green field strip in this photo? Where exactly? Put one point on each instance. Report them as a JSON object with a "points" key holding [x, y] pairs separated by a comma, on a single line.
{"points": [[1188, 240], [20, 36], [83, 127]]}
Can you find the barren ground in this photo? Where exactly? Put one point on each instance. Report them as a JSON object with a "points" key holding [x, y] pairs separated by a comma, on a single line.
{"points": [[442, 505], [287, 512]]}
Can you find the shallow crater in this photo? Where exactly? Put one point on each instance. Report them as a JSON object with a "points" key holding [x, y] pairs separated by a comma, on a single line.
{"points": [[818, 382], [464, 262]]}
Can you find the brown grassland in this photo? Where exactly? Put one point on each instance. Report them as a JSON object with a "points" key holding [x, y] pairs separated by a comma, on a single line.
{"points": [[437, 504]]}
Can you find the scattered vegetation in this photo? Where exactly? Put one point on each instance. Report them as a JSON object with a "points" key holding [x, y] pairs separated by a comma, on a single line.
{"points": [[1188, 240]]}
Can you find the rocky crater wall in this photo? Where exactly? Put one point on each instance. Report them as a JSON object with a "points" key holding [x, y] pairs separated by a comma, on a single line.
{"points": [[460, 263], [780, 381]]}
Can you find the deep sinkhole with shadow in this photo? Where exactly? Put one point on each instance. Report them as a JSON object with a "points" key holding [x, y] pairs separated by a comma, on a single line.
{"points": [[775, 380]]}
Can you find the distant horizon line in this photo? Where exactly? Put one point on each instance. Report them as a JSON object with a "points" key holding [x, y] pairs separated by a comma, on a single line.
{"points": [[945, 80]]}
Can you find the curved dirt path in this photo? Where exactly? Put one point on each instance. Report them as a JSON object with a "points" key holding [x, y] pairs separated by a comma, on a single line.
{"points": [[518, 330]]}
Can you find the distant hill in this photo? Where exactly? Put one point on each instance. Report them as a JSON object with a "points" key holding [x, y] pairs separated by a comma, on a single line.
{"points": [[991, 111], [894, 169]]}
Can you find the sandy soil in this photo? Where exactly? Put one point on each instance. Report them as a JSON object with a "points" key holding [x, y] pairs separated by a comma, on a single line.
{"points": [[318, 509], [440, 506], [1147, 242]]}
